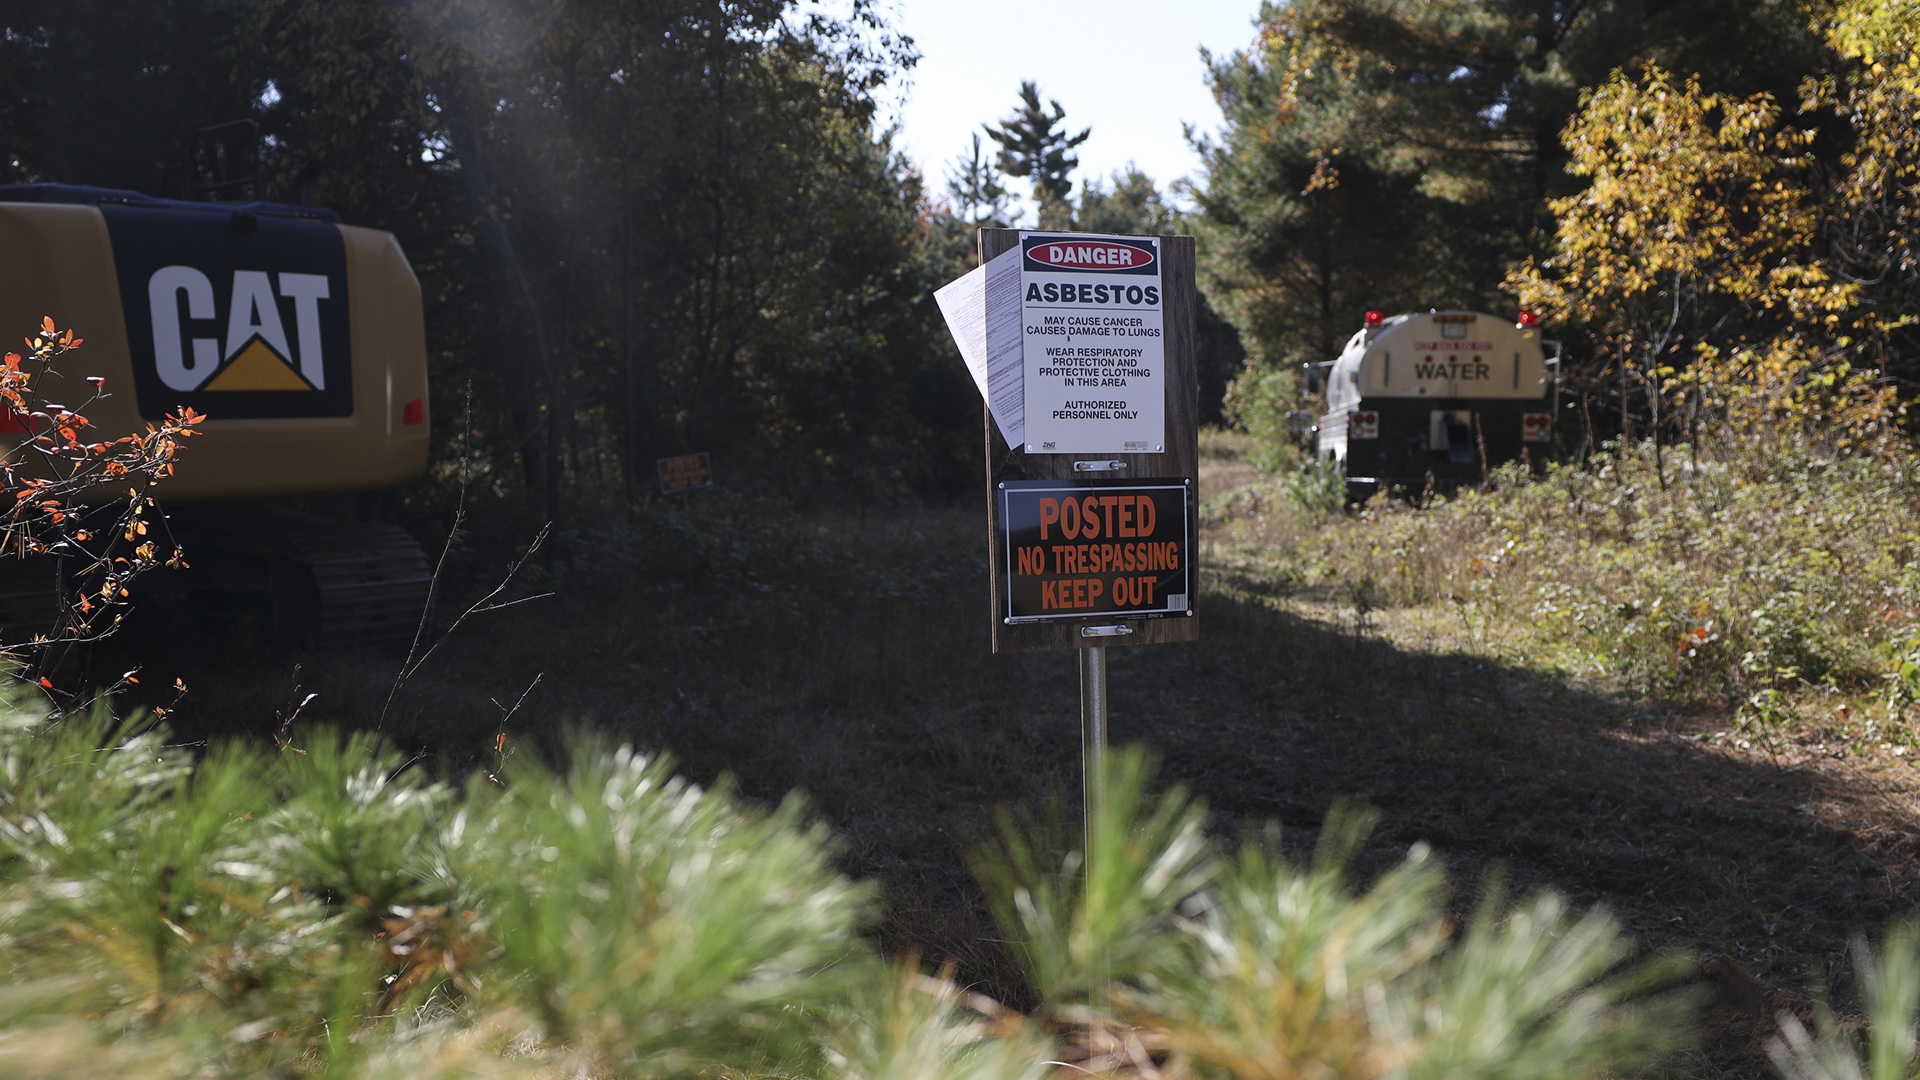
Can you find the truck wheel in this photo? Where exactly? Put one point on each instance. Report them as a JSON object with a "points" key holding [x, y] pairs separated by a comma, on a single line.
{"points": [[1359, 492]]}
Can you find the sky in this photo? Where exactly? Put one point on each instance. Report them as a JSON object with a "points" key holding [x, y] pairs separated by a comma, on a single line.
{"points": [[1130, 69]]}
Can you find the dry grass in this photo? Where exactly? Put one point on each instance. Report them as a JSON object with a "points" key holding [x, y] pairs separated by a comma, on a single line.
{"points": [[856, 667]]}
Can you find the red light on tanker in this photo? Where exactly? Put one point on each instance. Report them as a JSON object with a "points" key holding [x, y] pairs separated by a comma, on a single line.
{"points": [[1528, 320], [1375, 318]]}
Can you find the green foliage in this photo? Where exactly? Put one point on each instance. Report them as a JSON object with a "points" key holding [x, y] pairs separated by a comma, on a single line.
{"points": [[979, 198], [1079, 919], [329, 911], [1248, 967], [1258, 402], [1127, 202], [1688, 273], [1034, 147], [1902, 675], [654, 920], [1764, 718], [919, 1030], [316, 907], [1873, 236], [1318, 487], [1890, 985], [56, 784], [358, 825], [1400, 157], [1759, 564]]}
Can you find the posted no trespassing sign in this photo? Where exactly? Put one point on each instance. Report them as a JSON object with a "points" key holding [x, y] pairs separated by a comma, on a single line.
{"points": [[1097, 547], [1093, 344]]}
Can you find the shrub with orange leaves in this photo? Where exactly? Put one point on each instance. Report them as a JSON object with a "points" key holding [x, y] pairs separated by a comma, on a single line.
{"points": [[86, 500]]}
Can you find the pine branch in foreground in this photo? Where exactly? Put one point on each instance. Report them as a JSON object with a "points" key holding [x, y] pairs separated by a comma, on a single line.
{"points": [[319, 906]]}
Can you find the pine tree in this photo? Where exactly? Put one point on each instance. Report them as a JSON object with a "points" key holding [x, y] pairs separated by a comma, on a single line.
{"points": [[1397, 157], [1034, 146], [979, 197], [1130, 202], [1127, 202]]}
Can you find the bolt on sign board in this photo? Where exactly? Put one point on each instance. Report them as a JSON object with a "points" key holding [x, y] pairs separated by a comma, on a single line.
{"points": [[1083, 347], [689, 472]]}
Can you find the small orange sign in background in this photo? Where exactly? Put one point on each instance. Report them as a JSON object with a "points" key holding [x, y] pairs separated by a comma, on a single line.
{"points": [[690, 472]]}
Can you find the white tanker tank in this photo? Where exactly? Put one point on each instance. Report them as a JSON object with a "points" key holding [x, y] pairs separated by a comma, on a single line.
{"points": [[1438, 398]]}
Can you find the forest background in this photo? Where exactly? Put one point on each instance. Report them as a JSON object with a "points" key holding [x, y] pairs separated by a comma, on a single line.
{"points": [[648, 229]]}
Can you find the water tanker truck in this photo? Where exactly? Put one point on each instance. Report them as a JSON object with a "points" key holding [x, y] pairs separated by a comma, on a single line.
{"points": [[1437, 398]]}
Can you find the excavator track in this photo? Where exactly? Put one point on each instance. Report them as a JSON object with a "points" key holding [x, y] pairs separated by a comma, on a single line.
{"points": [[29, 597], [372, 582], [301, 578]]}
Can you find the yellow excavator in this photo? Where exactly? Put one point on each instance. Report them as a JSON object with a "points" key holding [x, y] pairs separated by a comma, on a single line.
{"points": [[302, 340]]}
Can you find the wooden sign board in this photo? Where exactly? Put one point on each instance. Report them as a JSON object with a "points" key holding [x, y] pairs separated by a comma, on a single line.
{"points": [[1104, 572], [690, 472]]}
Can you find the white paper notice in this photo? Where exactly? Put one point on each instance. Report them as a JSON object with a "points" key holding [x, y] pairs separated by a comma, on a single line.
{"points": [[1093, 351], [982, 311], [963, 304], [1006, 382]]}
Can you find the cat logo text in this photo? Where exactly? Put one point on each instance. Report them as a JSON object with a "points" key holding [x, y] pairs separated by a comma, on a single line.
{"points": [[194, 348]]}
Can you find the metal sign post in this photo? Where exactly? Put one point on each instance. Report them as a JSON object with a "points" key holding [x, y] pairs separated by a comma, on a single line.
{"points": [[1093, 767], [1093, 733]]}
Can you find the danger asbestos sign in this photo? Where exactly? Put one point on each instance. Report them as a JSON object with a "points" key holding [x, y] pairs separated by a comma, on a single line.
{"points": [[1093, 345], [1097, 547]]}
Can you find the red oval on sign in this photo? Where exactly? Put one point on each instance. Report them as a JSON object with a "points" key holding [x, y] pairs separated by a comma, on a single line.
{"points": [[1092, 255]]}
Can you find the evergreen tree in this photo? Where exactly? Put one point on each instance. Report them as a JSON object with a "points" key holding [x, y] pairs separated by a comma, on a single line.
{"points": [[1394, 157], [979, 198], [1034, 146], [1130, 202], [1127, 202]]}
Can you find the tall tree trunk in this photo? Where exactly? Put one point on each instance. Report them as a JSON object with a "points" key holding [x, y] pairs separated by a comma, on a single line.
{"points": [[474, 169], [630, 456], [1653, 408]]}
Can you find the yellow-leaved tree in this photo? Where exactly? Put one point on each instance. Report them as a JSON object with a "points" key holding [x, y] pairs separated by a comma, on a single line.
{"points": [[1875, 229], [1692, 268]]}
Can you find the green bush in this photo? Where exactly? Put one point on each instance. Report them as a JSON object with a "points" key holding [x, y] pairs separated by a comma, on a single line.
{"points": [[1318, 488], [1257, 402], [320, 908], [1755, 565], [1890, 989], [328, 911], [1243, 966]]}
